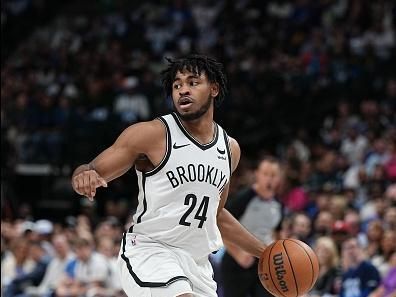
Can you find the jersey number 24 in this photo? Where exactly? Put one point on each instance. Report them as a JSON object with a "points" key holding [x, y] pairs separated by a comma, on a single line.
{"points": [[200, 215]]}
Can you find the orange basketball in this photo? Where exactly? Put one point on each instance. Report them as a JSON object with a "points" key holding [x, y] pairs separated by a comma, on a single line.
{"points": [[288, 268]]}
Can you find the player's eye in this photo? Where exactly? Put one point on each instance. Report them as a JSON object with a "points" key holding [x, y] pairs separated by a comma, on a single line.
{"points": [[176, 86], [194, 83]]}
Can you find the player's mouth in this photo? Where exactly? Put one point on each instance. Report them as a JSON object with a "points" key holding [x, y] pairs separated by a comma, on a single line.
{"points": [[185, 102]]}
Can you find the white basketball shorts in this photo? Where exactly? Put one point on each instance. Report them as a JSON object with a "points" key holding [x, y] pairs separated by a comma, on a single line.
{"points": [[152, 269]]}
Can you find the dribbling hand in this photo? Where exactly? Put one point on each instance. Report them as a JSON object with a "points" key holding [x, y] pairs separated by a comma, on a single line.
{"points": [[86, 182]]}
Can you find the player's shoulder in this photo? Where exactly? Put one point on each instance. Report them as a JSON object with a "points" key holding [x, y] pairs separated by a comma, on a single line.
{"points": [[235, 152], [145, 132], [234, 143], [234, 148], [154, 126]]}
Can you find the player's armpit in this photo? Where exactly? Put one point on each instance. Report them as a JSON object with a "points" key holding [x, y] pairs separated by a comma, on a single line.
{"points": [[132, 142]]}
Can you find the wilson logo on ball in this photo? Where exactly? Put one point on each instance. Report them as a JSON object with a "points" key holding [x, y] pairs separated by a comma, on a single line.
{"points": [[280, 271]]}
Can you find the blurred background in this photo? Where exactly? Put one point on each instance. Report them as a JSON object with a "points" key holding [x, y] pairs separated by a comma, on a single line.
{"points": [[312, 83]]}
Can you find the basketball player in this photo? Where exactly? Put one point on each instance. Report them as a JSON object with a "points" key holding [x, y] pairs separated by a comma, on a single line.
{"points": [[184, 162]]}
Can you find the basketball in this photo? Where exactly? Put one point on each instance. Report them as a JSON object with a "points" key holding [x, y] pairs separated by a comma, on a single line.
{"points": [[288, 268]]}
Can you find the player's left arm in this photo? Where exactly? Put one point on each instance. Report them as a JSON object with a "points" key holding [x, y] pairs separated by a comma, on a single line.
{"points": [[232, 232]]}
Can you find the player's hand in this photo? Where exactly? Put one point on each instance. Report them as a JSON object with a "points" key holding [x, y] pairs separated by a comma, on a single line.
{"points": [[86, 182]]}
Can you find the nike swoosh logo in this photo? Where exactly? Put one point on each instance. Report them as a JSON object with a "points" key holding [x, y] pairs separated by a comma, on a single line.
{"points": [[175, 146], [222, 152]]}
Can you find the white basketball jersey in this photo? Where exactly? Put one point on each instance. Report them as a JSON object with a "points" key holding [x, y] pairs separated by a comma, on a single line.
{"points": [[178, 200]]}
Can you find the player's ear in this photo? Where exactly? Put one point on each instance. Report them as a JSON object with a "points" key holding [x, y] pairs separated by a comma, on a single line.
{"points": [[214, 89]]}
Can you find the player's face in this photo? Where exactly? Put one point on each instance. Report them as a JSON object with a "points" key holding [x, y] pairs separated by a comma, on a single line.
{"points": [[192, 95]]}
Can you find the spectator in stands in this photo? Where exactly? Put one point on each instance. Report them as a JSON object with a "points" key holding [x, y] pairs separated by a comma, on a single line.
{"points": [[388, 283], [16, 263], [285, 228], [359, 277], [83, 226], [390, 194], [354, 146], [259, 211], [323, 224], [338, 123], [330, 268], [327, 175], [390, 163], [390, 217], [387, 249], [43, 230], [131, 106], [301, 227], [376, 156], [338, 205], [110, 227], [87, 273], [35, 276], [108, 248], [374, 235], [293, 194], [352, 220], [340, 233], [320, 202], [375, 208], [55, 269]]}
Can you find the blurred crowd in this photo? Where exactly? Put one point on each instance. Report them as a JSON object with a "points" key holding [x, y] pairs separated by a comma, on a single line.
{"points": [[310, 82], [45, 259], [72, 85]]}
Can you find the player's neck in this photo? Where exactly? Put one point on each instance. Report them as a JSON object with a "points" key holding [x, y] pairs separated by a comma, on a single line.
{"points": [[202, 129]]}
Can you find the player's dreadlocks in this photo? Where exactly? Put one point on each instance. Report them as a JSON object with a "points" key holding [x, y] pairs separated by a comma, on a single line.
{"points": [[196, 64]]}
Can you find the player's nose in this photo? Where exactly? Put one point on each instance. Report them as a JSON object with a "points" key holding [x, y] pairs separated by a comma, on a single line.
{"points": [[184, 91]]}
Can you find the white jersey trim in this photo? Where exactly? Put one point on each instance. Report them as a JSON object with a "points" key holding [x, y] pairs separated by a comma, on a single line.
{"points": [[167, 152], [228, 148], [156, 169]]}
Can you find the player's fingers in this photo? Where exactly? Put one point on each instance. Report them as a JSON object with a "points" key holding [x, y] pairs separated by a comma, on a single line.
{"points": [[90, 197], [79, 184], [74, 183], [102, 182], [93, 180], [88, 192], [86, 184], [98, 183]]}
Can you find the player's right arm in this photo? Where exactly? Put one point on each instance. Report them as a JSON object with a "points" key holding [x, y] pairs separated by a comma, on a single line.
{"points": [[117, 159]]}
